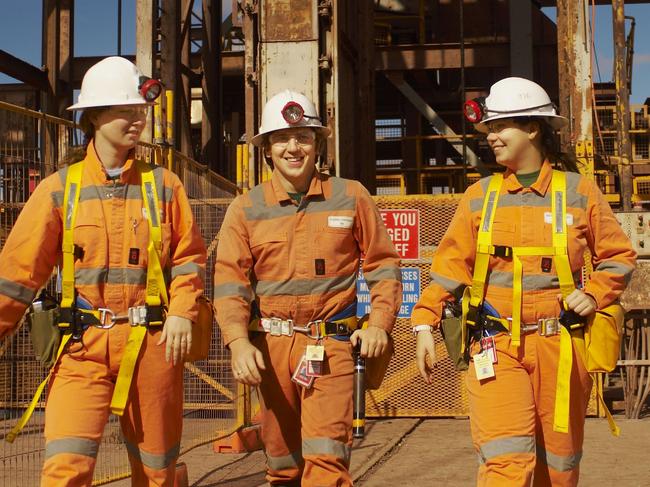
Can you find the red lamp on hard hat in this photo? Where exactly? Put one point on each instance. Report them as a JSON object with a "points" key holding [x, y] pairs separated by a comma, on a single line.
{"points": [[149, 88], [474, 109]]}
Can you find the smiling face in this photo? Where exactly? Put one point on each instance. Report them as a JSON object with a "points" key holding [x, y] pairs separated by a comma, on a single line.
{"points": [[514, 144], [120, 126], [293, 152]]}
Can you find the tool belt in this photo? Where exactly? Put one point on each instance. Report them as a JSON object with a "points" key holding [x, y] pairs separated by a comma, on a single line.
{"points": [[314, 329]]}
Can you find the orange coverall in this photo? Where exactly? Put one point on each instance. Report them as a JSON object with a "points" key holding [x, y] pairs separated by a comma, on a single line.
{"points": [[110, 273], [512, 414], [300, 262]]}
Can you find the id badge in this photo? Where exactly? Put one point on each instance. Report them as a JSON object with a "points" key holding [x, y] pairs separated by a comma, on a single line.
{"points": [[315, 355], [300, 376], [488, 345], [483, 366]]}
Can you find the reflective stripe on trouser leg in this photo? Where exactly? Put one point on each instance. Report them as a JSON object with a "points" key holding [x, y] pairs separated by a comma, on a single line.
{"points": [[152, 421], [502, 419], [76, 412], [280, 401], [327, 419], [558, 454], [69, 461]]}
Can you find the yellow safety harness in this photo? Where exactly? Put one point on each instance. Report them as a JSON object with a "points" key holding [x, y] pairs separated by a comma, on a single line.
{"points": [[473, 296], [156, 291]]}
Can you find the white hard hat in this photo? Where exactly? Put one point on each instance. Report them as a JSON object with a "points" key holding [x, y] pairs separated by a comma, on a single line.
{"points": [[519, 97], [115, 81], [288, 109]]}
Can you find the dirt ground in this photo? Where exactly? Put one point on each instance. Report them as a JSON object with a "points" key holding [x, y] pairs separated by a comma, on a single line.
{"points": [[438, 452]]}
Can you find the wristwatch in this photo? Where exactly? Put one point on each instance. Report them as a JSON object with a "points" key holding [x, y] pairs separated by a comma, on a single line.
{"points": [[418, 328]]}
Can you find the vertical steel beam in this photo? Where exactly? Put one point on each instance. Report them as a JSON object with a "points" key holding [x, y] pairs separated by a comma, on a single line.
{"points": [[521, 38], [57, 55], [184, 96], [169, 19], [622, 105], [574, 62], [251, 19], [212, 152], [144, 48]]}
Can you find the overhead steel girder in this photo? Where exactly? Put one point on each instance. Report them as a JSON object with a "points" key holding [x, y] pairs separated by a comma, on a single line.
{"points": [[23, 71], [441, 56], [434, 119]]}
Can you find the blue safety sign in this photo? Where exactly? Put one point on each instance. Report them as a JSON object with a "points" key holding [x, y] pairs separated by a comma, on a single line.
{"points": [[410, 292]]}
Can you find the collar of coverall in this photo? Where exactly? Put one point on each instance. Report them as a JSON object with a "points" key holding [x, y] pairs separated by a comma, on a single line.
{"points": [[95, 166], [315, 186], [512, 184]]}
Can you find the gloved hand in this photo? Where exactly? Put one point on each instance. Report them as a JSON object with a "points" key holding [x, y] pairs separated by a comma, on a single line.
{"points": [[177, 332], [581, 303]]}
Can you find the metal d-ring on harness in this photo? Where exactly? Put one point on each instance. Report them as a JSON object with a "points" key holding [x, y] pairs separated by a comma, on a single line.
{"points": [[473, 297]]}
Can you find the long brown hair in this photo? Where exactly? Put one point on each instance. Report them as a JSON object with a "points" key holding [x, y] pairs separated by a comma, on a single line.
{"points": [[550, 145], [77, 153]]}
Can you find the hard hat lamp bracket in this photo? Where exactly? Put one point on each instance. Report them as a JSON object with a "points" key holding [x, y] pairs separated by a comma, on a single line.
{"points": [[149, 88]]}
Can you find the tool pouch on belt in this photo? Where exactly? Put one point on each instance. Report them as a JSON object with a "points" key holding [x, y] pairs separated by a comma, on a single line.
{"points": [[451, 330], [45, 334], [376, 367], [603, 338], [201, 331]]}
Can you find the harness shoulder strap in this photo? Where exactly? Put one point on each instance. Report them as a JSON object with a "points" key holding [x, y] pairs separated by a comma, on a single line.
{"points": [[70, 204]]}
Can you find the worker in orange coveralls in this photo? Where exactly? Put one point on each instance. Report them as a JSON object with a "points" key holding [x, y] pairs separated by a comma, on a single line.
{"points": [[290, 248], [515, 421], [111, 238]]}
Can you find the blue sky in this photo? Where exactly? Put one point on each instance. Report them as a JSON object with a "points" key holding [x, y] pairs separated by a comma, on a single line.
{"points": [[20, 35]]}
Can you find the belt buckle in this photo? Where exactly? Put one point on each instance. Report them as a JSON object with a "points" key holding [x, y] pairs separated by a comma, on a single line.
{"points": [[137, 315], [286, 327], [275, 328], [548, 326]]}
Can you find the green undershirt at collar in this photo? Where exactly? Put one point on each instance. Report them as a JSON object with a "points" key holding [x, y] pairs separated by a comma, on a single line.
{"points": [[297, 197], [527, 180]]}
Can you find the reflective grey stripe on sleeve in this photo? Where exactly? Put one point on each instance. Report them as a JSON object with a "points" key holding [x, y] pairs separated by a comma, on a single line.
{"points": [[110, 276], [326, 446], [446, 283], [152, 460], [188, 268], [230, 289], [558, 462], [506, 446], [304, 287], [533, 282], [72, 445], [615, 267], [16, 291], [290, 461], [386, 272]]}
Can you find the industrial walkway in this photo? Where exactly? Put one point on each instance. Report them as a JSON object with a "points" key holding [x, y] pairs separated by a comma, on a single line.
{"points": [[437, 452]]}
